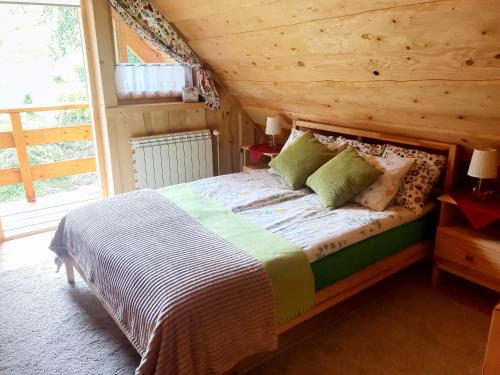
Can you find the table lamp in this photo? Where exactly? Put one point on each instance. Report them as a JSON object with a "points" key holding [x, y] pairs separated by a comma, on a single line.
{"points": [[273, 128], [483, 165]]}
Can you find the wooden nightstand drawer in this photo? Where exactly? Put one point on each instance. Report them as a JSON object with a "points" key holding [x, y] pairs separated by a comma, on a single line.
{"points": [[472, 252]]}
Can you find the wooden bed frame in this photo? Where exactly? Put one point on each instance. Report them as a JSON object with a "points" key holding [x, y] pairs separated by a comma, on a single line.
{"points": [[350, 285], [362, 279]]}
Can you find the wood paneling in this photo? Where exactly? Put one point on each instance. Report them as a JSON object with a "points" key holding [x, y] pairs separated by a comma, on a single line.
{"points": [[125, 122], [118, 123], [429, 69], [353, 48], [204, 19]]}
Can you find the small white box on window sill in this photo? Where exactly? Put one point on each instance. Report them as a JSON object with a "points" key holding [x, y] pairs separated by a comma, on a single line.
{"points": [[190, 94]]}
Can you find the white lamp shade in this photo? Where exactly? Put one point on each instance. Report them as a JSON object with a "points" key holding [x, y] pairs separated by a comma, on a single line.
{"points": [[273, 126], [483, 163]]}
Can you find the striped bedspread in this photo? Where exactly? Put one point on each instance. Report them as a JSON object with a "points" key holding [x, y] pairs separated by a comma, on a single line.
{"points": [[190, 301]]}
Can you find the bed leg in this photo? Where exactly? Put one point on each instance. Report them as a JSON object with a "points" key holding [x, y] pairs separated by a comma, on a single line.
{"points": [[70, 273], [436, 276]]}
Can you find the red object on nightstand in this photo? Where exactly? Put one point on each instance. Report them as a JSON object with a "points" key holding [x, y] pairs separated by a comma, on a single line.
{"points": [[256, 151], [479, 212]]}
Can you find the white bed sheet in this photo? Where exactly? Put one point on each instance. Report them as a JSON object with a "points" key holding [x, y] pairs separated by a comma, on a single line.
{"points": [[241, 191], [263, 199]]}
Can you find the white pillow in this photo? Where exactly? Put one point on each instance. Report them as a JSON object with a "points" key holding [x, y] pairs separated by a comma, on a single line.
{"points": [[381, 193], [294, 134]]}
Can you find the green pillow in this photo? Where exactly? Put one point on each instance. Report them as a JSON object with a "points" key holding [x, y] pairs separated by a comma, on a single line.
{"points": [[300, 159], [341, 178]]}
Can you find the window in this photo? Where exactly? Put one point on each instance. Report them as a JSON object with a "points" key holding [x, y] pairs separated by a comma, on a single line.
{"points": [[144, 74]]}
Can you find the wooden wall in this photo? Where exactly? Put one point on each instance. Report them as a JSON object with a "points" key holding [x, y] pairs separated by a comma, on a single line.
{"points": [[115, 124], [422, 68], [125, 122]]}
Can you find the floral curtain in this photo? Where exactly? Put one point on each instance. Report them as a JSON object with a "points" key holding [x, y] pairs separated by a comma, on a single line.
{"points": [[150, 24]]}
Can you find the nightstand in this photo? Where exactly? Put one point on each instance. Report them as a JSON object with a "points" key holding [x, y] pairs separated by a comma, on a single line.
{"points": [[464, 251], [248, 165]]}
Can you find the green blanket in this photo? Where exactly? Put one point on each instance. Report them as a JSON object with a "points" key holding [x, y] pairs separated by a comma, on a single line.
{"points": [[286, 265]]}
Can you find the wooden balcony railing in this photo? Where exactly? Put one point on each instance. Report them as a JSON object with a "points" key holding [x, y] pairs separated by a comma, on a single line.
{"points": [[20, 139]]}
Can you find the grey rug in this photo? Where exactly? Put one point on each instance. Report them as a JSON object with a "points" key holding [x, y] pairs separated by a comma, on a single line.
{"points": [[48, 327], [400, 326]]}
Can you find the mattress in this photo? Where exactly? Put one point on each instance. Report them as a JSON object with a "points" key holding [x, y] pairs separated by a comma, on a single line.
{"points": [[263, 199], [355, 257]]}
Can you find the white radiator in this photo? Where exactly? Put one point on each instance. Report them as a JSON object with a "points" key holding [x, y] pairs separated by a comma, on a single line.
{"points": [[171, 159]]}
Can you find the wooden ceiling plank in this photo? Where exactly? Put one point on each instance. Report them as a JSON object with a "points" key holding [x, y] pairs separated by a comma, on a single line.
{"points": [[355, 67], [426, 23], [469, 126], [176, 11], [453, 98], [257, 114], [423, 44], [272, 14]]}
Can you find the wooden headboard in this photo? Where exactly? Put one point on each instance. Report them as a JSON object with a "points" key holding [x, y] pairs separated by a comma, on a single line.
{"points": [[450, 150]]}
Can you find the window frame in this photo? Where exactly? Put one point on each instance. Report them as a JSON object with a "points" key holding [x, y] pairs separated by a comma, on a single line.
{"points": [[125, 38]]}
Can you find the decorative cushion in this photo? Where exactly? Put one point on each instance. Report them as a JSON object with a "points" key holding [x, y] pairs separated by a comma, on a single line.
{"points": [[381, 193], [366, 148], [295, 133], [342, 177], [420, 179], [300, 159]]}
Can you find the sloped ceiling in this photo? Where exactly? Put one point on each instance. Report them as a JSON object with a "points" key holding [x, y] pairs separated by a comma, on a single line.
{"points": [[429, 69]]}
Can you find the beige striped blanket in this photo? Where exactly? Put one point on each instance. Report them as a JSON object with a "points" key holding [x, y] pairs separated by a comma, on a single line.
{"points": [[188, 300]]}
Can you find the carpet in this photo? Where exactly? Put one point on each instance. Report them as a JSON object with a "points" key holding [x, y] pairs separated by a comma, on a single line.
{"points": [[400, 326], [48, 327]]}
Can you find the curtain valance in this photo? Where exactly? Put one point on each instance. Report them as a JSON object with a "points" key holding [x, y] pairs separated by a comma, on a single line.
{"points": [[151, 80], [151, 25]]}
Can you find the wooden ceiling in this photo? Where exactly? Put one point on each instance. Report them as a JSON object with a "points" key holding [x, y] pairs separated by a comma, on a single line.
{"points": [[424, 68]]}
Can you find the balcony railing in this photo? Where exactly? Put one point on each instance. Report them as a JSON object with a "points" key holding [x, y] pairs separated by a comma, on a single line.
{"points": [[19, 138]]}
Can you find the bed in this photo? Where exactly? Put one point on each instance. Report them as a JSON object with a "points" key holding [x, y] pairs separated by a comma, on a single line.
{"points": [[200, 276]]}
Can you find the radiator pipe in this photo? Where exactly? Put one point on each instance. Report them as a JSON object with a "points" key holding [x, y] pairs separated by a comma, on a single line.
{"points": [[216, 133]]}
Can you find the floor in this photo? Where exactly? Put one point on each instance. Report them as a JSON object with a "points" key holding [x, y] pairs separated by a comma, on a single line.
{"points": [[21, 217], [400, 326]]}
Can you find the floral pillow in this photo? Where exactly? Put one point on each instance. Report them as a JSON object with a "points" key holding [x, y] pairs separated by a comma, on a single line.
{"points": [[420, 179], [366, 148], [326, 139]]}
